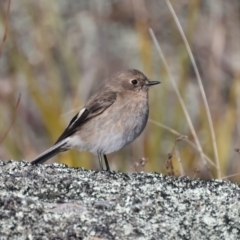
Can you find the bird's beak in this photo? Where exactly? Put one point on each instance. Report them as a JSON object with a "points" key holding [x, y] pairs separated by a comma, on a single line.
{"points": [[151, 83]]}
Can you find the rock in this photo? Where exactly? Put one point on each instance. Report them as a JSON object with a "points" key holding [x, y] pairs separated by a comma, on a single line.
{"points": [[58, 202]]}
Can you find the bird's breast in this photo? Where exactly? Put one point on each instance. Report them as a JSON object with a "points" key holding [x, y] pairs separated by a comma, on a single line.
{"points": [[117, 126]]}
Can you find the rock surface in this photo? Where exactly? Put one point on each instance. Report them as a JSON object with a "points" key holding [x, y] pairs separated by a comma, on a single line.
{"points": [[57, 202]]}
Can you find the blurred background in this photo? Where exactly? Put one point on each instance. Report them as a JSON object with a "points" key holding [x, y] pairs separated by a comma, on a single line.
{"points": [[58, 52]]}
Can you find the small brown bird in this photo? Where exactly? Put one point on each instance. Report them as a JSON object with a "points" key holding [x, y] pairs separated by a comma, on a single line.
{"points": [[112, 118]]}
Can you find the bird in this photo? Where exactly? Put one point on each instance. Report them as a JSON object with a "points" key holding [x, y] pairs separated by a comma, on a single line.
{"points": [[112, 118]]}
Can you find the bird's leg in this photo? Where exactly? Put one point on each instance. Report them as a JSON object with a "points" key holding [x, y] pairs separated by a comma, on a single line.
{"points": [[106, 163], [100, 161]]}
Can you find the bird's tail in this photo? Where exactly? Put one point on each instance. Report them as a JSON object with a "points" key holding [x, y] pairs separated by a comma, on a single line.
{"points": [[55, 149]]}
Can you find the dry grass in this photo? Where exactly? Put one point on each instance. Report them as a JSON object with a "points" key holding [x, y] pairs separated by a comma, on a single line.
{"points": [[56, 54], [5, 27]]}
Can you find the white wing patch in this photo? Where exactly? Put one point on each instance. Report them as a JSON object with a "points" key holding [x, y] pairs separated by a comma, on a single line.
{"points": [[79, 115]]}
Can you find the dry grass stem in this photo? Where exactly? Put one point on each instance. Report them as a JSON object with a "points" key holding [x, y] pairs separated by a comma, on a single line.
{"points": [[165, 127], [231, 175], [180, 166], [205, 156], [196, 171], [169, 165], [184, 139], [13, 120], [200, 86], [181, 137], [6, 27], [190, 124]]}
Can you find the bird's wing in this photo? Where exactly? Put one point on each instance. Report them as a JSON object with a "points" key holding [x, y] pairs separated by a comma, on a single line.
{"points": [[96, 105]]}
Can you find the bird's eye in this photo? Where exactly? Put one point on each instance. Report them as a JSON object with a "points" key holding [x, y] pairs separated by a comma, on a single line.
{"points": [[134, 82]]}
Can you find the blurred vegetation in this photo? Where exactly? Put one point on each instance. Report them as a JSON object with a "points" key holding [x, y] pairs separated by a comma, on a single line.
{"points": [[58, 52]]}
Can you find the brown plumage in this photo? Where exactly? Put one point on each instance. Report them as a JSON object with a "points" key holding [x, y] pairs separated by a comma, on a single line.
{"points": [[112, 118]]}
